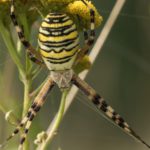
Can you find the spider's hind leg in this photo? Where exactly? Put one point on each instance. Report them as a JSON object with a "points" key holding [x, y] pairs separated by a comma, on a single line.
{"points": [[17, 129], [102, 105], [35, 107]]}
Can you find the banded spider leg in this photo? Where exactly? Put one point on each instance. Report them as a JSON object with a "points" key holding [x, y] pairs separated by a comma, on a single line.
{"points": [[102, 105]]}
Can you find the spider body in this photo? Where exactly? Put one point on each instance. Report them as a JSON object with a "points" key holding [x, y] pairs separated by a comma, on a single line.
{"points": [[59, 44], [58, 41], [59, 48]]}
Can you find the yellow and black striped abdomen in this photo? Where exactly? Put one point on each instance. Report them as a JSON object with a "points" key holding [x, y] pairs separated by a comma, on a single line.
{"points": [[58, 41]]}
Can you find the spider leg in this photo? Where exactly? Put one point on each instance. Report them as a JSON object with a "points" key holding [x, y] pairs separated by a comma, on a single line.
{"points": [[102, 105], [32, 53], [35, 107], [20, 125], [88, 40]]}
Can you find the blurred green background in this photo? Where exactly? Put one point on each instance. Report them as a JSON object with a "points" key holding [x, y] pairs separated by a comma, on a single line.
{"points": [[121, 74]]}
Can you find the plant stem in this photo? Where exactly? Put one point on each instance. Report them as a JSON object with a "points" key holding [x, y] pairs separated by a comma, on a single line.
{"points": [[11, 48], [27, 81], [56, 123], [26, 104]]}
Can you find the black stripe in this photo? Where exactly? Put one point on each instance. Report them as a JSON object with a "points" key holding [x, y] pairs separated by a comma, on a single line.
{"points": [[60, 62], [103, 106], [26, 131], [59, 45], [59, 29], [21, 125], [13, 18], [33, 105], [37, 108], [58, 20], [96, 99], [16, 131], [22, 140], [28, 114], [121, 124], [85, 35], [31, 117], [92, 12], [26, 44], [61, 50]]}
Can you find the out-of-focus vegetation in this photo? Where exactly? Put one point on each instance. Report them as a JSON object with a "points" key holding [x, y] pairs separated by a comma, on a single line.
{"points": [[121, 74]]}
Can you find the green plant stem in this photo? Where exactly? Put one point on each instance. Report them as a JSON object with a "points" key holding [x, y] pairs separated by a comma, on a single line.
{"points": [[24, 73], [26, 104], [27, 81], [13, 53], [26, 97], [57, 122], [11, 48]]}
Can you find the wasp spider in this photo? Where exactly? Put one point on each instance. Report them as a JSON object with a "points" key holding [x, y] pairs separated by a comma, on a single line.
{"points": [[59, 49]]}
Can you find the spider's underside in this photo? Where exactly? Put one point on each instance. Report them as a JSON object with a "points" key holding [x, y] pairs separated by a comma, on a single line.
{"points": [[59, 50]]}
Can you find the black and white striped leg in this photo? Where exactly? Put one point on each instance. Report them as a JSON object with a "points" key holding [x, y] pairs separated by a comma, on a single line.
{"points": [[35, 107], [32, 53], [21, 125], [89, 39], [101, 104]]}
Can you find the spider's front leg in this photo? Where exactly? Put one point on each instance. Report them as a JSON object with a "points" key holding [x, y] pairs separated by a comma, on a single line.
{"points": [[88, 39], [32, 53], [35, 107], [102, 105]]}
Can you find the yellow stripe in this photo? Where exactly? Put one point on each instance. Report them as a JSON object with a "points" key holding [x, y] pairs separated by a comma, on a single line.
{"points": [[72, 35], [56, 25], [58, 55]]}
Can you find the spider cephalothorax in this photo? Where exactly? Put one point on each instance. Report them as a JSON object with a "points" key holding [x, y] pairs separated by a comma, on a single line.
{"points": [[59, 50]]}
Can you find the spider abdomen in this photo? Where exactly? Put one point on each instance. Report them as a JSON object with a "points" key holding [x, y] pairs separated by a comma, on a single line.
{"points": [[58, 41]]}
